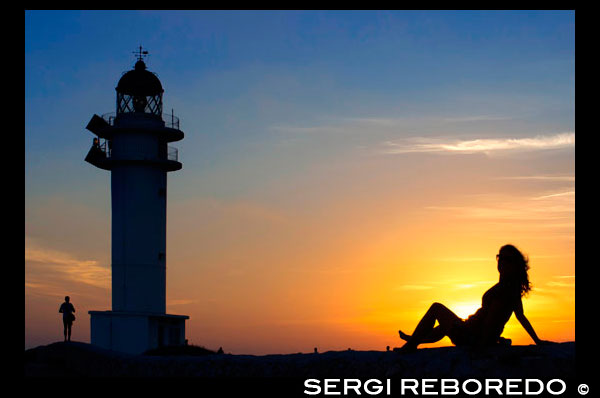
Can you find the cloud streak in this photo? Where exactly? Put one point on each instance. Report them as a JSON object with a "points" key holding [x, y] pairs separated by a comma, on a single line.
{"points": [[414, 287], [555, 195], [66, 266], [558, 178], [552, 206], [565, 281], [476, 118], [484, 145]]}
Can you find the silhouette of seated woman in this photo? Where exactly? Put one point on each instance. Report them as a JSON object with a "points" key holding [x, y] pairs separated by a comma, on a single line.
{"points": [[485, 326], [67, 310]]}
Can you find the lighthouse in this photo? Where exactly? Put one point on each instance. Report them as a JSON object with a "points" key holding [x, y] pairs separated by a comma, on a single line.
{"points": [[133, 145]]}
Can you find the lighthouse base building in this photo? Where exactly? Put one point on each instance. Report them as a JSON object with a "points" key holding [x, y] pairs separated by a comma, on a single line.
{"points": [[135, 333], [133, 145]]}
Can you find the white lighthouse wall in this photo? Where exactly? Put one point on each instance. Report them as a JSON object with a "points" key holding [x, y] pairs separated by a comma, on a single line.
{"points": [[138, 226], [136, 145]]}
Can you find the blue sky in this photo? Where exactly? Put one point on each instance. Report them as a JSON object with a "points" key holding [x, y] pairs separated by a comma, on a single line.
{"points": [[241, 72], [293, 110]]}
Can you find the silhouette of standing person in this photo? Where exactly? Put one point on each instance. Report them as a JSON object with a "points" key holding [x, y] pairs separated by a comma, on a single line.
{"points": [[485, 326], [67, 310]]}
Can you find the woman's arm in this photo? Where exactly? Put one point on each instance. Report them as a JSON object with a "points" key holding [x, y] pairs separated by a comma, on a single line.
{"points": [[528, 328], [527, 325]]}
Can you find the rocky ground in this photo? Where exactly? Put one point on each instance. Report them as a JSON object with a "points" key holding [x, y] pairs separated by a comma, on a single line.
{"points": [[80, 359]]}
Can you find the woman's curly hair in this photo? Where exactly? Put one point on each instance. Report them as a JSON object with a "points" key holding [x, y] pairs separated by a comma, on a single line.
{"points": [[521, 261]]}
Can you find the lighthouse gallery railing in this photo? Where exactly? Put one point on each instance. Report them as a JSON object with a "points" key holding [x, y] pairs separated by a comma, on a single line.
{"points": [[104, 145], [170, 120]]}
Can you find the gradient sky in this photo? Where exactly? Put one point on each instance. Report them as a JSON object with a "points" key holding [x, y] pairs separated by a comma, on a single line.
{"points": [[341, 170]]}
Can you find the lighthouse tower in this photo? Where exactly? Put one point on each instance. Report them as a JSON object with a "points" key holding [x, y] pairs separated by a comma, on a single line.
{"points": [[133, 145]]}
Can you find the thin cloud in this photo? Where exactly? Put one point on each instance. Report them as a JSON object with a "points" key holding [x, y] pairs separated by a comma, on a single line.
{"points": [[555, 195], [374, 120], [560, 284], [565, 281], [560, 178], [473, 284], [477, 118], [414, 287], [67, 266], [510, 212], [552, 206], [39, 289], [180, 302], [325, 129], [464, 259], [485, 145]]}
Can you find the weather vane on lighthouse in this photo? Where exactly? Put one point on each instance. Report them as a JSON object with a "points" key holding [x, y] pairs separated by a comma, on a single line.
{"points": [[132, 145], [141, 54]]}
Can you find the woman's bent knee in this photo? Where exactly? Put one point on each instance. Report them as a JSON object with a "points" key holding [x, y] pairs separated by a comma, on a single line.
{"points": [[438, 306]]}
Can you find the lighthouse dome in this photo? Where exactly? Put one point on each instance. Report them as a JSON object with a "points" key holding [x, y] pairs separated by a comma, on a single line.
{"points": [[139, 91], [139, 81]]}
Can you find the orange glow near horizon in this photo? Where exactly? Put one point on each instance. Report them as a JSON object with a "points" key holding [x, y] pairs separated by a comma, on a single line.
{"points": [[343, 265]]}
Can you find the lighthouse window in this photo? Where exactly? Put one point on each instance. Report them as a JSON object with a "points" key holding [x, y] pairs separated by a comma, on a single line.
{"points": [[161, 256], [139, 103], [162, 192]]}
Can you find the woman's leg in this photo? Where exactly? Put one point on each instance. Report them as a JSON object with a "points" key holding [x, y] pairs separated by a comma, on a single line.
{"points": [[65, 331], [69, 329], [425, 331], [434, 336]]}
